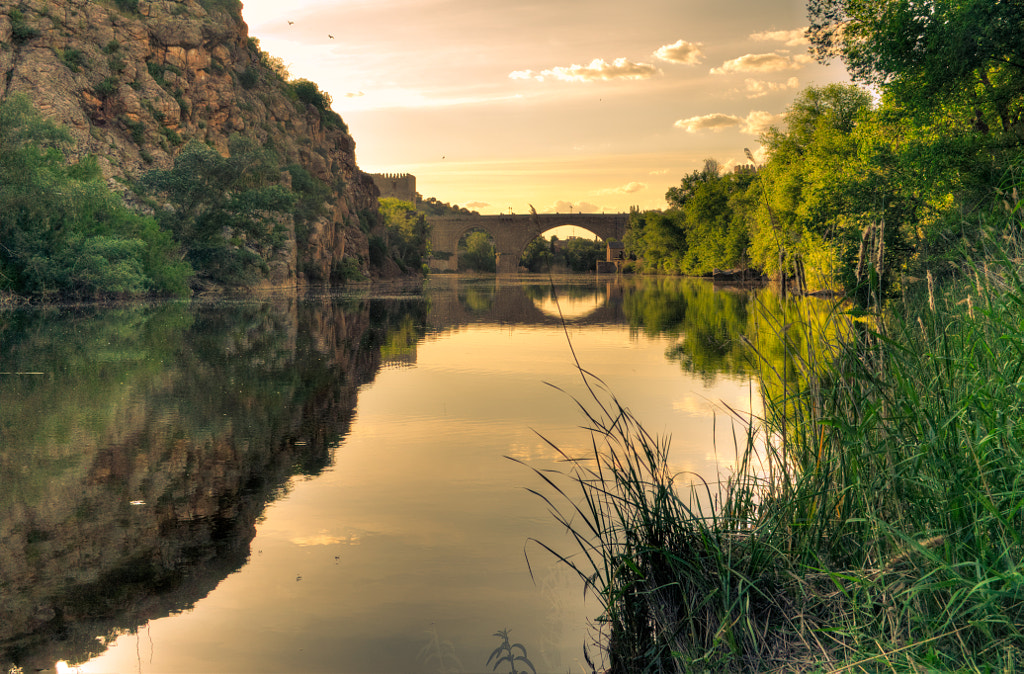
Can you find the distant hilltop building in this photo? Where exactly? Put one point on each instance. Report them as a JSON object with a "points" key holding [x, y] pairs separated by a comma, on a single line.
{"points": [[396, 185], [744, 168]]}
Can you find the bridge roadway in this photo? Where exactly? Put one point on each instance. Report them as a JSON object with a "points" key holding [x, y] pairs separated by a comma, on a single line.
{"points": [[512, 233]]}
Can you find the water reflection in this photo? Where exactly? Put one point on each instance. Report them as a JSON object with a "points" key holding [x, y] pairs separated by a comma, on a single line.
{"points": [[136, 466], [167, 447]]}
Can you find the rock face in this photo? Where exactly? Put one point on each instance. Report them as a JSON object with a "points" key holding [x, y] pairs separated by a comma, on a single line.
{"points": [[133, 80]]}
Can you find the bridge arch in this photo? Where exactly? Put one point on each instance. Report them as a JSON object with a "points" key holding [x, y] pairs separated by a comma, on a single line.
{"points": [[512, 233]]}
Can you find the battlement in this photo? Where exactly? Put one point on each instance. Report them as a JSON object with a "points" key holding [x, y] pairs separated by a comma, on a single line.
{"points": [[744, 168], [396, 185]]}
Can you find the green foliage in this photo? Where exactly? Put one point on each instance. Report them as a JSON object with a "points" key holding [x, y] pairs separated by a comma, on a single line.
{"points": [[432, 206], [309, 93], [233, 6], [156, 71], [311, 203], [347, 269], [137, 129], [21, 32], [74, 59], [128, 5], [406, 233], [224, 211], [107, 87], [854, 195], [249, 77], [953, 55], [477, 253], [63, 231], [877, 498], [538, 256]]}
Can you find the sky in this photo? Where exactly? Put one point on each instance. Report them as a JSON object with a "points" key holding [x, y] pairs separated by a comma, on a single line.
{"points": [[563, 105]]}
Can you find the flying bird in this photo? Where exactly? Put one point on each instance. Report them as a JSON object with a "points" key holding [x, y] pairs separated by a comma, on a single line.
{"points": [[330, 36], [290, 22]]}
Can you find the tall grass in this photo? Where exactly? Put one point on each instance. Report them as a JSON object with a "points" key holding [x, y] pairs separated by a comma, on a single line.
{"points": [[875, 521]]}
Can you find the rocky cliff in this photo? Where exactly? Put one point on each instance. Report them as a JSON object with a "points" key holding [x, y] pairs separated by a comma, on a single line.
{"points": [[134, 80]]}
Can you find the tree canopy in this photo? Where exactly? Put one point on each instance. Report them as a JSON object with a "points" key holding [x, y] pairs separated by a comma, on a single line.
{"points": [[62, 231]]}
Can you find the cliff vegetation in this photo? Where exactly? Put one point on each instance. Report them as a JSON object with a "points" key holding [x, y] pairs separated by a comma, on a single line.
{"points": [[140, 104]]}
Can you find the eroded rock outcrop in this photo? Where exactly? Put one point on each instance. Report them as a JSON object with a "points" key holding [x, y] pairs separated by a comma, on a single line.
{"points": [[134, 80]]}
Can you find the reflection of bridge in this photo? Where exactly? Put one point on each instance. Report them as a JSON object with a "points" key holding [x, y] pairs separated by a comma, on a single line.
{"points": [[512, 233], [491, 301]]}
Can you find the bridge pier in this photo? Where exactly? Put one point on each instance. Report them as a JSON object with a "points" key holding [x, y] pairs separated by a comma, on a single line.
{"points": [[508, 263]]}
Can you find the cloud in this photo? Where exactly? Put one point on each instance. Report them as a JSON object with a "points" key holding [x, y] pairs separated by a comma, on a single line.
{"points": [[477, 204], [354, 94], [573, 207], [628, 188], [714, 122], [681, 51], [758, 121], [598, 69], [757, 88], [790, 38], [660, 172], [755, 123], [762, 63]]}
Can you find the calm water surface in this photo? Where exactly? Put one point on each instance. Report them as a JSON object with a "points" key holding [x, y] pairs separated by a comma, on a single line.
{"points": [[320, 483]]}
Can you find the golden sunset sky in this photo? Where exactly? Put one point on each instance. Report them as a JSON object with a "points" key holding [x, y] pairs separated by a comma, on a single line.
{"points": [[589, 106]]}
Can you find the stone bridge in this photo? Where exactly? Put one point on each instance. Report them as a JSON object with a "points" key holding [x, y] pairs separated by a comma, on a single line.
{"points": [[512, 233]]}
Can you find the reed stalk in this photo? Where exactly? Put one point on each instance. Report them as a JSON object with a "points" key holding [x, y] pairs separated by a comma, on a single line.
{"points": [[875, 520]]}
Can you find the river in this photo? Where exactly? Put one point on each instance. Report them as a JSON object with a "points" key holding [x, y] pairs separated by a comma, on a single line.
{"points": [[322, 482]]}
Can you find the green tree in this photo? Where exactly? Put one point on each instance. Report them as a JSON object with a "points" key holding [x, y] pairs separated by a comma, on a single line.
{"points": [[538, 256], [963, 56], [658, 240], [581, 255], [816, 192], [226, 212], [62, 230], [716, 218], [406, 233], [477, 252]]}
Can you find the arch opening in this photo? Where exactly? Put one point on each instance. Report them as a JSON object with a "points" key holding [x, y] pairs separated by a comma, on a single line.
{"points": [[574, 254], [476, 251]]}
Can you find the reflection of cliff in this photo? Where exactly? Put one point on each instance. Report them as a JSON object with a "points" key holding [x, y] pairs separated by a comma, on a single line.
{"points": [[135, 468]]}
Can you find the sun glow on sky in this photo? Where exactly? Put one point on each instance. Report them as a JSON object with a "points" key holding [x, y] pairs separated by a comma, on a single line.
{"points": [[592, 106]]}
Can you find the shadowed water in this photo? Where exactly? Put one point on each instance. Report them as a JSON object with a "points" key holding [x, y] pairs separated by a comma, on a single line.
{"points": [[319, 483]]}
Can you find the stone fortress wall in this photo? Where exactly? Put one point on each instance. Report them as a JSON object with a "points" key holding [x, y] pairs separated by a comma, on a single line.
{"points": [[396, 185]]}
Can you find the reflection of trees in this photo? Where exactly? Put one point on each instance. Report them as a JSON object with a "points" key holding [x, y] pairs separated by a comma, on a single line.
{"points": [[708, 324], [712, 327], [135, 468], [478, 296]]}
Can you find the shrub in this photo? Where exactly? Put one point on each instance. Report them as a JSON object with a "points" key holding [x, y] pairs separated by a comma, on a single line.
{"points": [[21, 32], [249, 77], [74, 59], [107, 87]]}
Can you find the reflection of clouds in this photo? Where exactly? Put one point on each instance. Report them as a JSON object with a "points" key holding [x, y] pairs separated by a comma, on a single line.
{"points": [[542, 451], [325, 538]]}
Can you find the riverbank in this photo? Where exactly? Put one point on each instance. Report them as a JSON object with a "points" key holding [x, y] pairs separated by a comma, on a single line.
{"points": [[873, 520]]}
